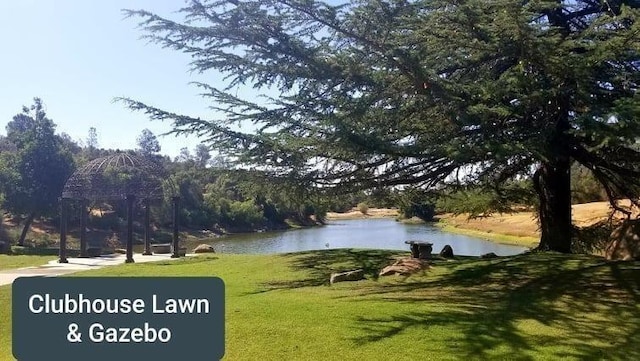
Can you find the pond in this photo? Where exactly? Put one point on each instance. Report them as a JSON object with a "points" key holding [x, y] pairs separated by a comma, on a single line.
{"points": [[361, 233]]}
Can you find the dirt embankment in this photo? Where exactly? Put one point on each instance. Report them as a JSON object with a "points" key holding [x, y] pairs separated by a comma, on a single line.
{"points": [[371, 213]]}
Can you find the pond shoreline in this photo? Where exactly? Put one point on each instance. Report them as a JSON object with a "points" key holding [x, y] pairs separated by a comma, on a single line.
{"points": [[489, 236], [372, 233]]}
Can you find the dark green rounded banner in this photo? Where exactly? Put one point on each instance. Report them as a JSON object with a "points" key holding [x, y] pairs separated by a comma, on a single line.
{"points": [[115, 318]]}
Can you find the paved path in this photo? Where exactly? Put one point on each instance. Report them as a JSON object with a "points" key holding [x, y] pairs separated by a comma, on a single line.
{"points": [[53, 268]]}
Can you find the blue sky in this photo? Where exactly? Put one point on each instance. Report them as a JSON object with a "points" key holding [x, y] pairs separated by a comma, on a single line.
{"points": [[77, 55]]}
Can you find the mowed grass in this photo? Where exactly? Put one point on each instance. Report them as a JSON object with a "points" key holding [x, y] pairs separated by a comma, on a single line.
{"points": [[11, 262], [530, 307]]}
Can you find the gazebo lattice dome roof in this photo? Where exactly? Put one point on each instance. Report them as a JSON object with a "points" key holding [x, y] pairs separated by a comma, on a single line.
{"points": [[118, 176]]}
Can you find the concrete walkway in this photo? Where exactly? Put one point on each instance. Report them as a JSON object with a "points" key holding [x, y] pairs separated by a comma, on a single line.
{"points": [[53, 268]]}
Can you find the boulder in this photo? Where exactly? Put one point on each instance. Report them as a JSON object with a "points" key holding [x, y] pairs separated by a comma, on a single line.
{"points": [[624, 242], [489, 255], [355, 275], [204, 248], [447, 252], [405, 266]]}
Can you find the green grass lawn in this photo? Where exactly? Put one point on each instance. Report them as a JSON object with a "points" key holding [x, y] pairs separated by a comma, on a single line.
{"points": [[11, 262], [530, 307]]}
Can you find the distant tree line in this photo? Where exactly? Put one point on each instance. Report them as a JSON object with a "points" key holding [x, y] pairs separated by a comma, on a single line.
{"points": [[35, 162]]}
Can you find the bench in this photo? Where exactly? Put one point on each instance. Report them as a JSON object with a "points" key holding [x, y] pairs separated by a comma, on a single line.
{"points": [[161, 248], [421, 250]]}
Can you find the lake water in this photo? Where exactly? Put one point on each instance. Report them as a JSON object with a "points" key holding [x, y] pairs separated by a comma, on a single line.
{"points": [[361, 233]]}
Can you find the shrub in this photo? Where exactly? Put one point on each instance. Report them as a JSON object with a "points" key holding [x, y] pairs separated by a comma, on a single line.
{"points": [[44, 241], [244, 215], [363, 207], [424, 211], [33, 251]]}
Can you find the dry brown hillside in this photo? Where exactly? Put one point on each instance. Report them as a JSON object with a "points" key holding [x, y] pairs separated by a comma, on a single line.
{"points": [[524, 224], [371, 213]]}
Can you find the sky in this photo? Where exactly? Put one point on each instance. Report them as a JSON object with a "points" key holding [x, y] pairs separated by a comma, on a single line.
{"points": [[78, 55]]}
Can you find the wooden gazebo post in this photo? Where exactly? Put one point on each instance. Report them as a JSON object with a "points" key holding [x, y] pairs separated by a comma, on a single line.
{"points": [[176, 246], [63, 231], [147, 228], [130, 201], [83, 227]]}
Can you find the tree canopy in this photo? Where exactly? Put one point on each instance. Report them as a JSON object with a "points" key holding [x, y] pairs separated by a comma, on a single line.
{"points": [[92, 139], [430, 93], [148, 143], [33, 176]]}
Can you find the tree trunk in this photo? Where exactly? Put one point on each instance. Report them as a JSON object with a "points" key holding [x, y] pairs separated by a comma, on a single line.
{"points": [[552, 182], [27, 225]]}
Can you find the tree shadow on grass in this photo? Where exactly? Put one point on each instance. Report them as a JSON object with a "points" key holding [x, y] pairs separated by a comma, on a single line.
{"points": [[576, 306], [317, 266]]}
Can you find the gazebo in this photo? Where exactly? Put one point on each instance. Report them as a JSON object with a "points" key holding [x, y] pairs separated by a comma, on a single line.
{"points": [[117, 177]]}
